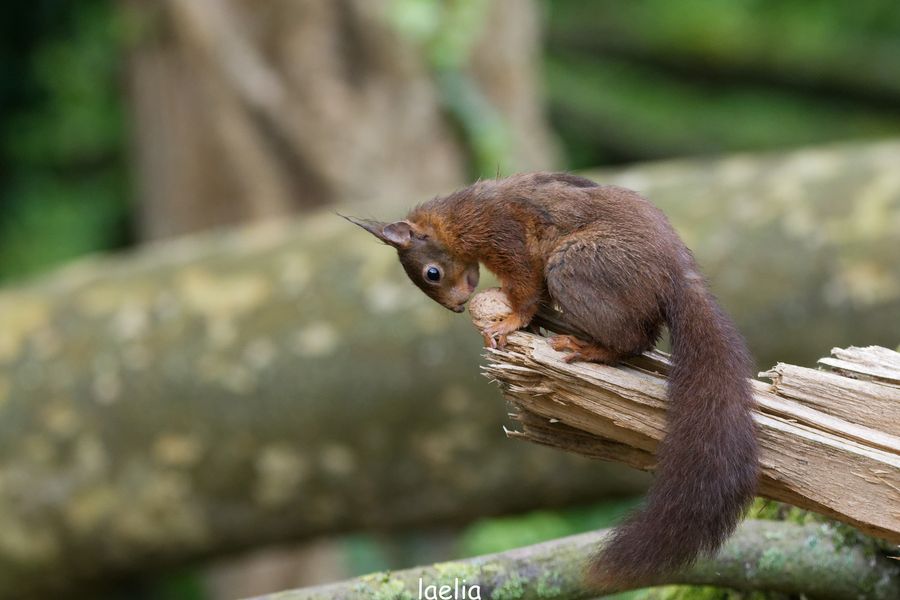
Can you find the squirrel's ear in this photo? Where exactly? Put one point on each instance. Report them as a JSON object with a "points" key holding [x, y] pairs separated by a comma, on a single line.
{"points": [[398, 235]]}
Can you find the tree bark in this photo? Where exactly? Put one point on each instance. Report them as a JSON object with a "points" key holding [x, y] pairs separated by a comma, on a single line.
{"points": [[285, 380], [811, 560], [247, 109]]}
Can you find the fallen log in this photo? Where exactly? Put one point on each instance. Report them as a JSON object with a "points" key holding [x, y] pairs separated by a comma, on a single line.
{"points": [[829, 439]]}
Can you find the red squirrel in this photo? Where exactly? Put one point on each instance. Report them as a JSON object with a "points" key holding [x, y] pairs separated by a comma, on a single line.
{"points": [[612, 264]]}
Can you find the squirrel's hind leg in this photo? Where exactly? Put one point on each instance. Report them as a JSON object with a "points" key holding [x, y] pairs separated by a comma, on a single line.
{"points": [[609, 293], [579, 350]]}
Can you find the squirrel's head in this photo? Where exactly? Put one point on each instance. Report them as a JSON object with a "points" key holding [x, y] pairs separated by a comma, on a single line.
{"points": [[428, 263]]}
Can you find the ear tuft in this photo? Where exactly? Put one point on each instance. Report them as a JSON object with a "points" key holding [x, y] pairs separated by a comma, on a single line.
{"points": [[398, 235]]}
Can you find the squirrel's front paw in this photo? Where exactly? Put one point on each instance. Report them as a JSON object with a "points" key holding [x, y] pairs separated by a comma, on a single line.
{"points": [[495, 333], [493, 315]]}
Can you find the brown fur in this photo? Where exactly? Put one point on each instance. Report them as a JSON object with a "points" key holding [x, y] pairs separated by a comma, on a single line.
{"points": [[611, 262]]}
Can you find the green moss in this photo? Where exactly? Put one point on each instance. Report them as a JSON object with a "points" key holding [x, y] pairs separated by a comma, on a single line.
{"points": [[449, 571], [843, 535], [685, 592], [511, 589], [770, 510], [383, 586], [548, 585], [772, 559]]}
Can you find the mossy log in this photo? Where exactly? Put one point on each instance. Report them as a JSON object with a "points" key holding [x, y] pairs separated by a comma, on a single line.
{"points": [[813, 561], [285, 380]]}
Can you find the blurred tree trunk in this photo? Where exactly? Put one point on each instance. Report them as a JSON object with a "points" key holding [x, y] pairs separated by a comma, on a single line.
{"points": [[245, 109]]}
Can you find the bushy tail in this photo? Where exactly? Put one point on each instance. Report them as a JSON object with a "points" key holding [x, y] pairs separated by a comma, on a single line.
{"points": [[707, 463]]}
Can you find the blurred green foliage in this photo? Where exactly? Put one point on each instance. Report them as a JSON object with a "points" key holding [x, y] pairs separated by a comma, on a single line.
{"points": [[496, 535], [62, 134], [652, 78]]}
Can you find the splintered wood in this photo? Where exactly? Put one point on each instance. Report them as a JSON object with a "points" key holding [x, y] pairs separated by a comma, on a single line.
{"points": [[829, 439]]}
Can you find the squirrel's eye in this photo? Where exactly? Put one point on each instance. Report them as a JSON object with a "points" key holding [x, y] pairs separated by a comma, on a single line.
{"points": [[433, 274]]}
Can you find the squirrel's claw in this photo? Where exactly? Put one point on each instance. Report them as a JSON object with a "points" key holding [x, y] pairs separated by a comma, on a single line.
{"points": [[488, 340], [495, 341], [495, 333], [580, 351]]}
